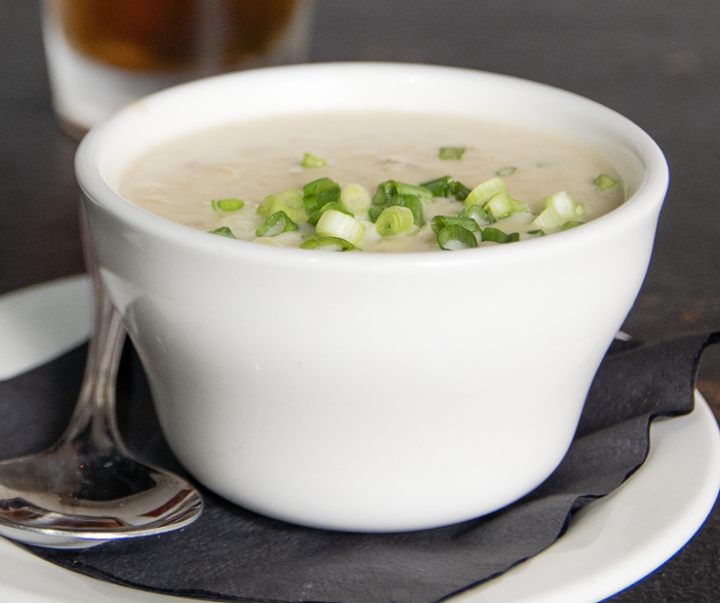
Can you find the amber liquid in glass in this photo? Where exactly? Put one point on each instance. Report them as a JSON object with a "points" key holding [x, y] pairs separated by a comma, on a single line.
{"points": [[174, 35]]}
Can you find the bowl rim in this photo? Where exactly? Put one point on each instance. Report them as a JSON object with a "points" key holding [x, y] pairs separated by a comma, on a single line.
{"points": [[645, 201]]}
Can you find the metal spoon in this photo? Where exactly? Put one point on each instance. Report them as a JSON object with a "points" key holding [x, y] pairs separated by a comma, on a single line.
{"points": [[87, 488]]}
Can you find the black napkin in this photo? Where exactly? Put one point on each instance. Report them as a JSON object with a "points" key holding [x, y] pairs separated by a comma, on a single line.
{"points": [[231, 554]]}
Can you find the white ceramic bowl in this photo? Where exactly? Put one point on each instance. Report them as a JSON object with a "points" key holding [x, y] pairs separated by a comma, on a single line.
{"points": [[369, 406]]}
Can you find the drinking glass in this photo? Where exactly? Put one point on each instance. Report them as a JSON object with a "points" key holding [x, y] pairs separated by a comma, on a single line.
{"points": [[104, 54]]}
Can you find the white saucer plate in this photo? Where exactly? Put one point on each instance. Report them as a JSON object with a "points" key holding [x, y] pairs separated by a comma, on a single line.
{"points": [[609, 546]]}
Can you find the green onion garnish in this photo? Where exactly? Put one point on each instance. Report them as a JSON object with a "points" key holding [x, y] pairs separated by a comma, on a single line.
{"points": [[451, 153], [440, 222], [413, 203], [394, 220], [328, 243], [447, 187], [496, 235], [355, 198], [605, 182], [459, 190], [549, 218], [310, 161], [388, 189], [335, 223], [384, 192], [439, 187], [519, 207], [291, 197], [227, 204], [397, 208], [558, 209], [270, 205], [477, 214], [223, 231], [315, 217], [290, 201], [276, 224], [454, 237], [503, 206], [506, 171], [485, 191], [374, 212], [320, 192], [499, 207], [420, 192], [564, 205]]}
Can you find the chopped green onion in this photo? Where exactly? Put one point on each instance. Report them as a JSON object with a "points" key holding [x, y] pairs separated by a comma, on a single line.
{"points": [[440, 222], [477, 214], [320, 192], [558, 209], [454, 237], [420, 192], [447, 187], [223, 231], [482, 193], [289, 201], [519, 207], [394, 220], [276, 224], [310, 161], [605, 182], [503, 206], [291, 197], [355, 198], [459, 190], [388, 189], [506, 171], [549, 219], [499, 207], [413, 203], [227, 204], [335, 223], [498, 236], [270, 205], [315, 217], [439, 187], [538, 231], [564, 205], [451, 153], [374, 212], [384, 192], [328, 243], [571, 224]]}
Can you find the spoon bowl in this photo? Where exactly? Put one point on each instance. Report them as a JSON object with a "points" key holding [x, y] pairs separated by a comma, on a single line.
{"points": [[88, 488]]}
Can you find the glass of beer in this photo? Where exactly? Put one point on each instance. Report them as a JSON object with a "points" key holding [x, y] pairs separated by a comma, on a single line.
{"points": [[103, 54]]}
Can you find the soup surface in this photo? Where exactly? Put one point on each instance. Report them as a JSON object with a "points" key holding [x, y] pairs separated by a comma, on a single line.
{"points": [[352, 181]]}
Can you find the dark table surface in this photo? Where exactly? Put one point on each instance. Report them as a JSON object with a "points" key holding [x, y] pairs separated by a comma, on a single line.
{"points": [[655, 61]]}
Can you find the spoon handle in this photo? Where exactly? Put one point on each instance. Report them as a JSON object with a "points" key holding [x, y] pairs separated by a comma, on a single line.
{"points": [[94, 414]]}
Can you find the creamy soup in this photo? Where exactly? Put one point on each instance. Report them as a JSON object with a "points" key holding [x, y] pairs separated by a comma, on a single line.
{"points": [[374, 182]]}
